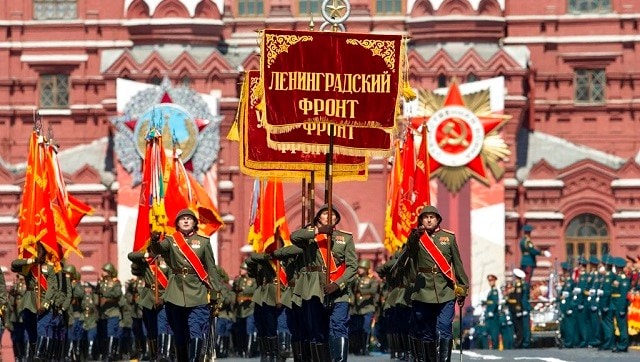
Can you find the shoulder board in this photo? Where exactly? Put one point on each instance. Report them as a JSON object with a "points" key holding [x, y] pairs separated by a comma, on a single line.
{"points": [[310, 228], [448, 231], [202, 236], [345, 232]]}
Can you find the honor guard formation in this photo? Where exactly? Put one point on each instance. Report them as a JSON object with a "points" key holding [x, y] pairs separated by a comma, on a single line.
{"points": [[312, 300]]}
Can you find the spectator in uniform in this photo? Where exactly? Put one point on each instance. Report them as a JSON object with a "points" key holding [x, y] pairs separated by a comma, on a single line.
{"points": [[245, 336], [109, 294], [620, 304], [529, 252], [492, 303]]}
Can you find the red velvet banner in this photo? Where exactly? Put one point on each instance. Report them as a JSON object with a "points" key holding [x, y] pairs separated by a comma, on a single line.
{"points": [[259, 160], [345, 79]]}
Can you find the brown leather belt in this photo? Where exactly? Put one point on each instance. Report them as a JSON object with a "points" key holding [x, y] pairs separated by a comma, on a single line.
{"points": [[244, 299], [184, 270], [314, 268], [434, 270]]}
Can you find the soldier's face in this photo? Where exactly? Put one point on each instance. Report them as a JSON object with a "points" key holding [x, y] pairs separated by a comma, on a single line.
{"points": [[429, 221], [186, 223], [324, 218]]}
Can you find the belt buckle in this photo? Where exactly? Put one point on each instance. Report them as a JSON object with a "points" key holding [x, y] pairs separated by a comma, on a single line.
{"points": [[185, 271]]}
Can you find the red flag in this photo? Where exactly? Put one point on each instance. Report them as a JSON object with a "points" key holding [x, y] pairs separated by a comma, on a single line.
{"points": [[209, 219], [77, 210], [66, 234], [392, 243], [186, 192], [273, 222], [151, 211], [36, 220], [401, 223], [422, 176]]}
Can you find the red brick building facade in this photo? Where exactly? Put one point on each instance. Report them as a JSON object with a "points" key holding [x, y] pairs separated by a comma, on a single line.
{"points": [[570, 70]]}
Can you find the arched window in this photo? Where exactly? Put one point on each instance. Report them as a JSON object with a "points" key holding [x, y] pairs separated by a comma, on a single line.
{"points": [[587, 235], [442, 81]]}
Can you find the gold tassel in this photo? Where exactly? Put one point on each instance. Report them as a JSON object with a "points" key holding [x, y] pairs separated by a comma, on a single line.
{"points": [[408, 93], [234, 132]]}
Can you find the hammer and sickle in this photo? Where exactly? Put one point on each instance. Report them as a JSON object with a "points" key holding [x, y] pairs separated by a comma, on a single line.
{"points": [[451, 135]]}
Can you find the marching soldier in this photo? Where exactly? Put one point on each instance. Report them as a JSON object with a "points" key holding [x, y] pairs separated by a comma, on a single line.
{"points": [[109, 294], [620, 304], [491, 320], [265, 310], [152, 282], [13, 318], [365, 291], [440, 284], [245, 336], [75, 334], [90, 316], [193, 284], [326, 302], [36, 308], [291, 258], [226, 316], [529, 253], [399, 271]]}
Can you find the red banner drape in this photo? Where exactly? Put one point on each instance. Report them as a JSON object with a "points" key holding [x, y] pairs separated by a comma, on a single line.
{"points": [[334, 88]]}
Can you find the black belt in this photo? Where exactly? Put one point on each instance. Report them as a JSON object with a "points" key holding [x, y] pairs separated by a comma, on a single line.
{"points": [[433, 269], [314, 268], [184, 270]]}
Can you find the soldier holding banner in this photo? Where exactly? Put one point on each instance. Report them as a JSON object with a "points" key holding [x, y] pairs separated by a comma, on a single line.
{"points": [[192, 285], [326, 303], [441, 282]]}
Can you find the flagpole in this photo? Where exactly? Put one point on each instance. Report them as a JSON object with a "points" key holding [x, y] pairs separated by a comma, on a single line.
{"points": [[304, 202]]}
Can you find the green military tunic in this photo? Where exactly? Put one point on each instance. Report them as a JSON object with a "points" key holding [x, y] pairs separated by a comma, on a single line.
{"points": [[313, 275], [291, 259], [431, 285], [366, 294], [49, 297], [147, 282], [185, 287], [244, 286], [265, 293], [606, 313], [109, 294], [89, 305], [620, 305]]}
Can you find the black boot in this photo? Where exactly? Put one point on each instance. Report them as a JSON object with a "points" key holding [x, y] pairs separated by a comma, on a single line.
{"points": [[284, 346], [224, 348], [430, 350], [112, 349], [296, 348], [91, 350], [321, 352], [152, 349], [19, 351], [365, 338], [308, 350], [272, 347], [264, 350], [195, 349], [339, 349], [444, 350], [163, 352], [252, 345], [182, 353], [70, 356], [41, 349]]}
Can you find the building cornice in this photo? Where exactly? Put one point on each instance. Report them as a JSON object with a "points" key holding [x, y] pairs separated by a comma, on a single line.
{"points": [[53, 44], [626, 215], [543, 215], [544, 183], [571, 39]]}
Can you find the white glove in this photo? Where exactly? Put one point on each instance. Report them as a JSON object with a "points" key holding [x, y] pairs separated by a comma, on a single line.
{"points": [[524, 313], [472, 331], [592, 292], [490, 315], [576, 291], [600, 292], [565, 294], [546, 253]]}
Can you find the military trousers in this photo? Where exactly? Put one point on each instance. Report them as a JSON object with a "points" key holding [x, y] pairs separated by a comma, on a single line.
{"points": [[188, 322], [493, 330], [433, 320], [295, 323], [266, 318]]}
